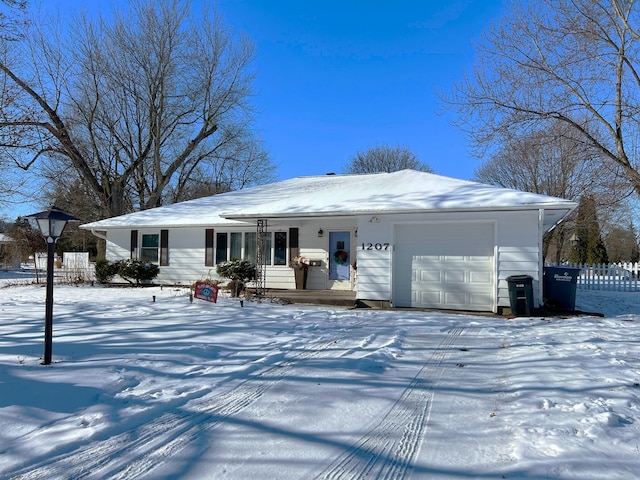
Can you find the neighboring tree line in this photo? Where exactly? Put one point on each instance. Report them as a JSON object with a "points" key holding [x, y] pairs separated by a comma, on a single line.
{"points": [[553, 102], [152, 106], [109, 115], [554, 163], [385, 158]]}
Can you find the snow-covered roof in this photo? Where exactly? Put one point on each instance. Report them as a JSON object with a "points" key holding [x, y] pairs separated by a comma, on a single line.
{"points": [[5, 238], [404, 191]]}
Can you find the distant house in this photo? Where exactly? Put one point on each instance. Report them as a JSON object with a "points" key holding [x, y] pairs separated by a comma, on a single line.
{"points": [[9, 253], [414, 239]]}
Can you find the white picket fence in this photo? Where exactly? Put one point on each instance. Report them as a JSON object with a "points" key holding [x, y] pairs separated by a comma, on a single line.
{"points": [[76, 267], [73, 267], [622, 277]]}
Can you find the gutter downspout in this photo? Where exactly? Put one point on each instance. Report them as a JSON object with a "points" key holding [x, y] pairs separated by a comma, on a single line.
{"points": [[103, 236], [540, 256]]}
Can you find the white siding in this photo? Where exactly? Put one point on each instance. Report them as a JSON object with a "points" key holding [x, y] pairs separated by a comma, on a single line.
{"points": [[118, 245], [280, 276], [313, 247], [374, 265], [374, 275], [517, 249], [187, 252], [186, 257], [516, 261]]}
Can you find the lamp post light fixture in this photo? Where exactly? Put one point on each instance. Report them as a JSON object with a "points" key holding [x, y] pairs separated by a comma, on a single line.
{"points": [[575, 241], [51, 224]]}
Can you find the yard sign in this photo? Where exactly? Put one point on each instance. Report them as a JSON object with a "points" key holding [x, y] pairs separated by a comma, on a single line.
{"points": [[206, 291]]}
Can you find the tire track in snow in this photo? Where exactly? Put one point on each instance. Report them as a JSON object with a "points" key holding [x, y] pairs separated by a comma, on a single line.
{"points": [[138, 451], [389, 450]]}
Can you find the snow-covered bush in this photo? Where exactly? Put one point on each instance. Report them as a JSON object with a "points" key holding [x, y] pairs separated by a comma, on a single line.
{"points": [[138, 270], [131, 270], [105, 271], [238, 272]]}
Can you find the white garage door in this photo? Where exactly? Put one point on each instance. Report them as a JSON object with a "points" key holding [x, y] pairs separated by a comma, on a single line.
{"points": [[448, 266]]}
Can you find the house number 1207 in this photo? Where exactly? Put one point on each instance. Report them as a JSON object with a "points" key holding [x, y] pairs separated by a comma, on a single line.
{"points": [[375, 246]]}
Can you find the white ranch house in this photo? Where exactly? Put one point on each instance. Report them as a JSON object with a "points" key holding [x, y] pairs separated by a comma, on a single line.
{"points": [[416, 239]]}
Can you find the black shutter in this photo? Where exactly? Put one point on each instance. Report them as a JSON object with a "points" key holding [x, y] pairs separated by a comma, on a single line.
{"points": [[294, 249], [208, 247], [164, 247], [134, 245]]}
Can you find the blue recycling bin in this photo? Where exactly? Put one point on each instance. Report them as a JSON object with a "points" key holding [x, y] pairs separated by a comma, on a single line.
{"points": [[559, 287]]}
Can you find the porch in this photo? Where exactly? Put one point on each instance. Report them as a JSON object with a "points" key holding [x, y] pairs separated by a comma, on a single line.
{"points": [[341, 298]]}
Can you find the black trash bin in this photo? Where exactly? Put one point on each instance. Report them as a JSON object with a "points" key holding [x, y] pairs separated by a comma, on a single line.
{"points": [[559, 287], [521, 294]]}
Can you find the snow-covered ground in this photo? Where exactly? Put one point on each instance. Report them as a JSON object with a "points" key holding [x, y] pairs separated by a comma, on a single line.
{"points": [[173, 389]]}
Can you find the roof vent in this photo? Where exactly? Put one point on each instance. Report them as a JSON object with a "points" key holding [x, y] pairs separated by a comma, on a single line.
{"points": [[331, 173]]}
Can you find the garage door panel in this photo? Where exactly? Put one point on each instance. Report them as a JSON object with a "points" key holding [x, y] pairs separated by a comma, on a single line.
{"points": [[430, 275], [481, 258], [426, 259], [464, 261], [457, 298], [454, 277], [445, 266], [481, 298], [483, 278], [454, 258], [428, 297]]}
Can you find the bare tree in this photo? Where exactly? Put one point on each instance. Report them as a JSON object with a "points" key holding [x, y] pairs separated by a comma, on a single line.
{"points": [[242, 163], [622, 244], [12, 183], [133, 104], [28, 240], [384, 158], [559, 163], [572, 61], [12, 18]]}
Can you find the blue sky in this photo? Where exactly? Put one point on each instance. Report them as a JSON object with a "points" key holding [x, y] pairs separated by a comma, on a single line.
{"points": [[338, 77]]}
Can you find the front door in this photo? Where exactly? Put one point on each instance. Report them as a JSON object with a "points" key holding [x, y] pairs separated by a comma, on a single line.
{"points": [[340, 260]]}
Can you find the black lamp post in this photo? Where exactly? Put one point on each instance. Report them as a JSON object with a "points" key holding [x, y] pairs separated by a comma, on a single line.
{"points": [[51, 224]]}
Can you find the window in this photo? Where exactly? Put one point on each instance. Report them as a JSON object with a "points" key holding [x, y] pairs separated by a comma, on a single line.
{"points": [[239, 245], [149, 250], [268, 243], [280, 248], [250, 246], [235, 252], [221, 248]]}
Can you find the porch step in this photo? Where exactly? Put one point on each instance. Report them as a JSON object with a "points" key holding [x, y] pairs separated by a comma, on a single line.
{"points": [[342, 298]]}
